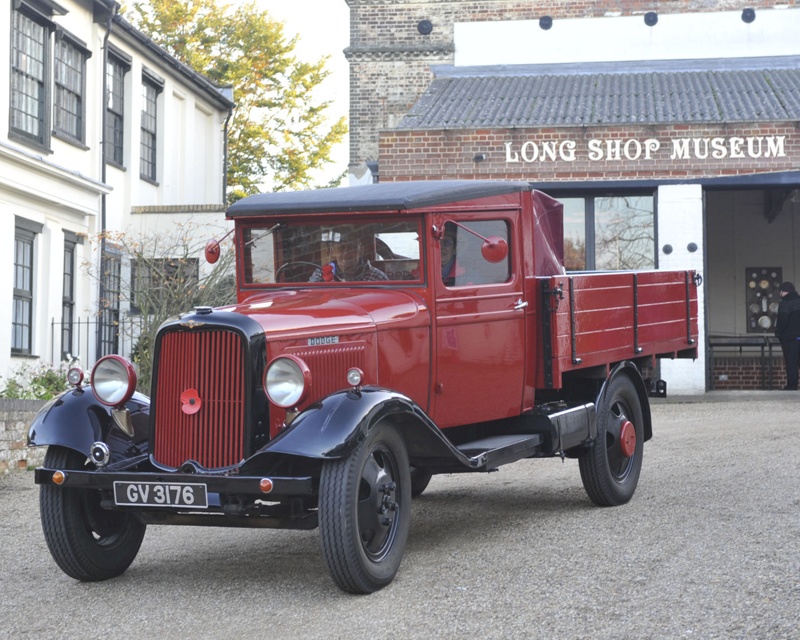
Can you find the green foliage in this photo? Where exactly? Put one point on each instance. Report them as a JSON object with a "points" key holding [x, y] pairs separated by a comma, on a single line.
{"points": [[41, 381], [279, 133]]}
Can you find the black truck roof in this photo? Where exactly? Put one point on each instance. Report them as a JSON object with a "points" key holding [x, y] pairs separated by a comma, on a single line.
{"points": [[384, 196]]}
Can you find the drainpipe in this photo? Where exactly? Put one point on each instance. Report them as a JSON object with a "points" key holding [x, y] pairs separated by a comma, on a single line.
{"points": [[225, 160], [114, 8]]}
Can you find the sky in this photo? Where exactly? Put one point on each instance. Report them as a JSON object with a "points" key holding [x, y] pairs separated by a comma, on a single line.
{"points": [[323, 27]]}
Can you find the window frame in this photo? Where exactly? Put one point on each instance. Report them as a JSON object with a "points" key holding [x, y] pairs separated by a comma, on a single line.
{"points": [[117, 67], [148, 153], [25, 235], [590, 219], [71, 242], [18, 76], [108, 336], [78, 135]]}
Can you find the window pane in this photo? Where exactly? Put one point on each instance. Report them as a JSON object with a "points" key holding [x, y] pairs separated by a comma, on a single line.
{"points": [[624, 232], [28, 55], [22, 318], [470, 266], [574, 233], [147, 162], [115, 100], [68, 102], [68, 300]]}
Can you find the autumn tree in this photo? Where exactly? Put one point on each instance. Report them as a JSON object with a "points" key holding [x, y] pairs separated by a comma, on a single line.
{"points": [[279, 133]]}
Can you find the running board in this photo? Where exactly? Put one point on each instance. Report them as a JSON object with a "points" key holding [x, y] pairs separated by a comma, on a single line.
{"points": [[494, 451]]}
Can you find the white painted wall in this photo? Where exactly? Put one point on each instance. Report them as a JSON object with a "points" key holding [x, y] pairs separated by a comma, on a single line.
{"points": [[680, 222], [627, 38], [61, 188]]}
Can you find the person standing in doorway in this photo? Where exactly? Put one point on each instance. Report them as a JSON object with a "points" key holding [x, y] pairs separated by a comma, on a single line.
{"points": [[787, 329]]}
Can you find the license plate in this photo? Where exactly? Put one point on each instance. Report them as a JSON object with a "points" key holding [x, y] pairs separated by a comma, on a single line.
{"points": [[160, 494]]}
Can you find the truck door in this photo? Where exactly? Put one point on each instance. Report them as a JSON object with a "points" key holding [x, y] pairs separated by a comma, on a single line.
{"points": [[479, 346]]}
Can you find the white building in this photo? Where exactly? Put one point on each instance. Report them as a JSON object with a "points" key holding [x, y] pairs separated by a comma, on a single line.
{"points": [[74, 164]]}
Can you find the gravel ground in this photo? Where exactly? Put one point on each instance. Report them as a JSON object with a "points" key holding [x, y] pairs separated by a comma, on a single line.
{"points": [[708, 548]]}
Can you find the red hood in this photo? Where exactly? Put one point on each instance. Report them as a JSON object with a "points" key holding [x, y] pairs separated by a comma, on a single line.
{"points": [[324, 310]]}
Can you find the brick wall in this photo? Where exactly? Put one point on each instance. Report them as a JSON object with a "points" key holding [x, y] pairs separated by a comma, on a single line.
{"points": [[408, 155], [15, 418], [390, 59], [747, 373]]}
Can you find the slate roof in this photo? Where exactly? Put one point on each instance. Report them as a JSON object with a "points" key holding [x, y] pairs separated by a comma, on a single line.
{"points": [[639, 93]]}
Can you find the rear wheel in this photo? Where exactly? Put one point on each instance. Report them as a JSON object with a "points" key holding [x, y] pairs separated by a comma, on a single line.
{"points": [[365, 512], [87, 542], [610, 468]]}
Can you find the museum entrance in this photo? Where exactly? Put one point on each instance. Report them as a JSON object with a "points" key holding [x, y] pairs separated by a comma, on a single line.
{"points": [[752, 238]]}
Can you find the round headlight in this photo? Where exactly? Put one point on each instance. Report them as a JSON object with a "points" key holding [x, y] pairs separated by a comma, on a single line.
{"points": [[75, 376], [113, 380], [287, 381]]}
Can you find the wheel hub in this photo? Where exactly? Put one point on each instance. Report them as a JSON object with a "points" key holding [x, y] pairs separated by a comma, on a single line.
{"points": [[627, 439]]}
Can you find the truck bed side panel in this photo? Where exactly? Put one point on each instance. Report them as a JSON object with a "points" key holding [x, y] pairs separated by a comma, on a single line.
{"points": [[604, 318]]}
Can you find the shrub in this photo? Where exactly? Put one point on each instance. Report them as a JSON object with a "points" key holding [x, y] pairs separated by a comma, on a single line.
{"points": [[41, 381]]}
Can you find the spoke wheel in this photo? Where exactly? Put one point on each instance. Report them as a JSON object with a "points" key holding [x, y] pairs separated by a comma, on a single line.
{"points": [[610, 468], [87, 542], [364, 512]]}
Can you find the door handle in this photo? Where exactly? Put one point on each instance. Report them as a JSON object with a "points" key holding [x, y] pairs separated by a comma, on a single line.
{"points": [[520, 304]]}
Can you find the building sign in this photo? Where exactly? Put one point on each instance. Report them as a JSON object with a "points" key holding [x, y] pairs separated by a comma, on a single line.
{"points": [[596, 150]]}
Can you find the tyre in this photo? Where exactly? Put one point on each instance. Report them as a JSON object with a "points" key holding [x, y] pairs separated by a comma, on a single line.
{"points": [[365, 512], [87, 542], [420, 478], [610, 467]]}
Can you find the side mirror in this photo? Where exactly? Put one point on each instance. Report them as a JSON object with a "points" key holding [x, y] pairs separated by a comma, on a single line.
{"points": [[212, 251], [494, 249]]}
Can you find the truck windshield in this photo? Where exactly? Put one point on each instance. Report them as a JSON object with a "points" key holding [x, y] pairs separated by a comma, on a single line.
{"points": [[332, 252]]}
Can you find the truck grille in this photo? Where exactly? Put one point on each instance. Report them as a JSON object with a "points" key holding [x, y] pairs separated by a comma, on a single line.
{"points": [[210, 363], [329, 366]]}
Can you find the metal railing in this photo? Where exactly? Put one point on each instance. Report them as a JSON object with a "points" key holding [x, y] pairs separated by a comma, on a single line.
{"points": [[92, 338]]}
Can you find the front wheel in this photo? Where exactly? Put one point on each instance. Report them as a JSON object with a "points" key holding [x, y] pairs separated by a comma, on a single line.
{"points": [[365, 512], [87, 542], [610, 467]]}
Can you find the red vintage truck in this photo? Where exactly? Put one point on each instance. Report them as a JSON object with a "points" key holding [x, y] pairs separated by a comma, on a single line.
{"points": [[383, 334]]}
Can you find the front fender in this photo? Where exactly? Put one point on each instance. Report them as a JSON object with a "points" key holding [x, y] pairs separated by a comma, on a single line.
{"points": [[335, 426], [77, 419]]}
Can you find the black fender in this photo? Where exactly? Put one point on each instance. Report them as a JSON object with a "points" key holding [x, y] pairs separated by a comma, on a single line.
{"points": [[76, 419], [629, 369], [334, 427]]}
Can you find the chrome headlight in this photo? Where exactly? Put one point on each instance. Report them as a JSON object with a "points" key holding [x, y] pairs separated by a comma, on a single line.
{"points": [[113, 380], [287, 381]]}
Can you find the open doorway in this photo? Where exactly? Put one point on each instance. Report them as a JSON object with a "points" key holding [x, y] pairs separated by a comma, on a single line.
{"points": [[752, 244]]}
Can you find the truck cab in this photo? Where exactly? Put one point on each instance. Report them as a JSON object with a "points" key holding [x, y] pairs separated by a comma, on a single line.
{"points": [[382, 334]]}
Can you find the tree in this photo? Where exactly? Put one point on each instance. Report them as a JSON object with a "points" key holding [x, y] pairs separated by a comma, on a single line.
{"points": [[279, 134], [161, 277]]}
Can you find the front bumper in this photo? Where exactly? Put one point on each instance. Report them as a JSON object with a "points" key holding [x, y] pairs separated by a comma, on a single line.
{"points": [[232, 485], [233, 501]]}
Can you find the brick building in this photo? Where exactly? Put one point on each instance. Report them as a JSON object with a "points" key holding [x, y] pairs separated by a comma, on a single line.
{"points": [[670, 132]]}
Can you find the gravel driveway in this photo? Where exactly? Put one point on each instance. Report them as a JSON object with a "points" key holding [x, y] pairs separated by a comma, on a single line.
{"points": [[709, 547]]}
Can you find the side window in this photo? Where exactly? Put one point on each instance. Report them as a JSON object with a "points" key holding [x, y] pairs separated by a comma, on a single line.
{"points": [[463, 262]]}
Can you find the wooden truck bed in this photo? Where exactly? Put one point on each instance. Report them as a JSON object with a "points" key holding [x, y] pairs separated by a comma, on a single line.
{"points": [[599, 319]]}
